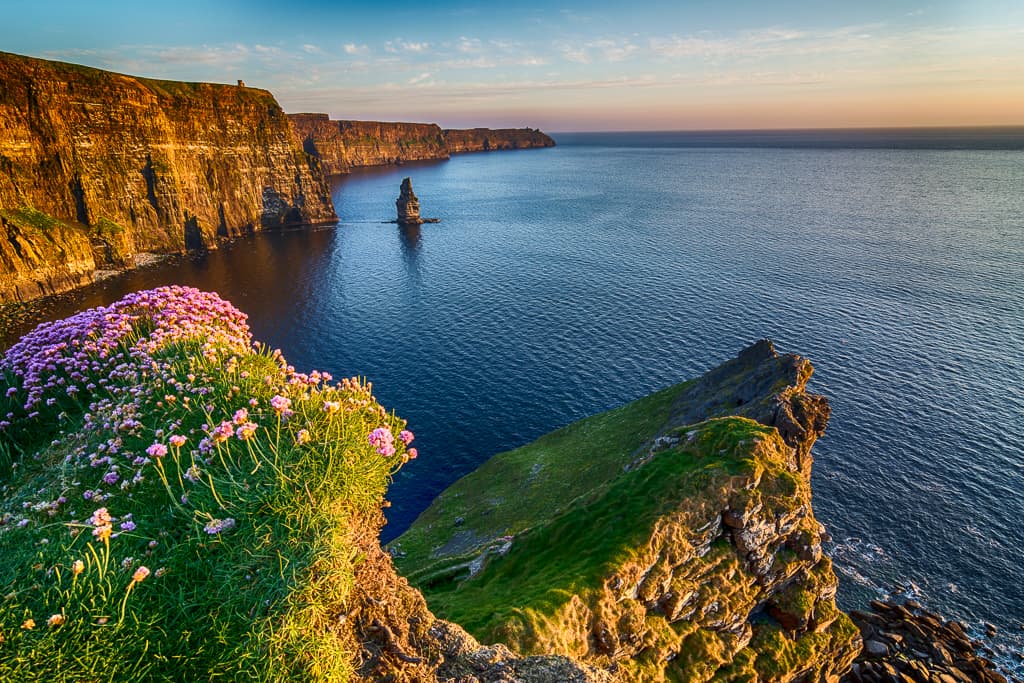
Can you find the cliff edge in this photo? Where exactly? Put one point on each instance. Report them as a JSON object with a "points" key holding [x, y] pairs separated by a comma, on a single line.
{"points": [[96, 167], [670, 539]]}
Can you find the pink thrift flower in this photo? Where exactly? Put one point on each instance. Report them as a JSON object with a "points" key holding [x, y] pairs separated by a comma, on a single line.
{"points": [[157, 450], [302, 437], [412, 453], [241, 415], [246, 431], [280, 403], [406, 436], [383, 441], [177, 440]]}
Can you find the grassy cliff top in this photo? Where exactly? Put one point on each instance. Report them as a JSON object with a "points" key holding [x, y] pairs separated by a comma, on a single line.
{"points": [[177, 503]]}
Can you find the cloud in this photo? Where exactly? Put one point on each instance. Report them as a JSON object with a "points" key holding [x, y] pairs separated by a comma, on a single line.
{"points": [[353, 49], [604, 49], [312, 49], [423, 77], [467, 45]]}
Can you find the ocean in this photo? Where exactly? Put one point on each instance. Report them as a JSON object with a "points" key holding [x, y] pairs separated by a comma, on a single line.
{"points": [[562, 282]]}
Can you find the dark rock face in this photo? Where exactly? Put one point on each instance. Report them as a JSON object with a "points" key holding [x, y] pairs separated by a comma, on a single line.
{"points": [[907, 644], [103, 166], [763, 386]]}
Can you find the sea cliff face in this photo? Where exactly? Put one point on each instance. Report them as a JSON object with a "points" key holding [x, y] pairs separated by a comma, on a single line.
{"points": [[96, 167], [487, 139], [671, 539], [344, 145]]}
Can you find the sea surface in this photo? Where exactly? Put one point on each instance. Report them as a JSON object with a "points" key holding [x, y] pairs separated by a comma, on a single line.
{"points": [[566, 281]]}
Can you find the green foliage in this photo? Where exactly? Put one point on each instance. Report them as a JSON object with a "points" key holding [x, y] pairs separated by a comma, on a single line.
{"points": [[30, 218], [226, 558]]}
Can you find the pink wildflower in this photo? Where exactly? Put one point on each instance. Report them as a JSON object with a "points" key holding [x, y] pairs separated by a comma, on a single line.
{"points": [[177, 440], [246, 431], [406, 436], [241, 415], [383, 441], [302, 437], [140, 574], [157, 450], [280, 403]]}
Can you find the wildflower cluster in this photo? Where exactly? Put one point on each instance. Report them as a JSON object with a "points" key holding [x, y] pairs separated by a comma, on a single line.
{"points": [[153, 433]]}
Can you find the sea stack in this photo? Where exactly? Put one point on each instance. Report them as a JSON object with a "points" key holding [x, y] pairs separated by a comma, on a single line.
{"points": [[408, 205]]}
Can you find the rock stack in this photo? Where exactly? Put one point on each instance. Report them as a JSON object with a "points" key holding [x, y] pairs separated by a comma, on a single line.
{"points": [[907, 644], [408, 205]]}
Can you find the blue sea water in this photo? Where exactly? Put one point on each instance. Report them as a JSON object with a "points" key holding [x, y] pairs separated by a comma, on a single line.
{"points": [[566, 281]]}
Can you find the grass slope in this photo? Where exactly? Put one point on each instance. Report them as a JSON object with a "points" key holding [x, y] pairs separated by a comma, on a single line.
{"points": [[178, 505], [530, 484]]}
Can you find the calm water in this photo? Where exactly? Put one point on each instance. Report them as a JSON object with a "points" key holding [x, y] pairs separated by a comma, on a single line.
{"points": [[566, 281]]}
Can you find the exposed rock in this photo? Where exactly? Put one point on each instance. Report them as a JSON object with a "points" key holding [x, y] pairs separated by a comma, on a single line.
{"points": [[408, 205], [908, 644], [96, 167]]}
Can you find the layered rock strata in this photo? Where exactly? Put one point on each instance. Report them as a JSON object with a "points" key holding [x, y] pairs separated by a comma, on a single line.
{"points": [[344, 145], [96, 167], [694, 556]]}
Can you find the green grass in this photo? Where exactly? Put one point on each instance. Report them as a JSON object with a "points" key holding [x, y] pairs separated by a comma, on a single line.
{"points": [[256, 602], [533, 483], [27, 217], [573, 552]]}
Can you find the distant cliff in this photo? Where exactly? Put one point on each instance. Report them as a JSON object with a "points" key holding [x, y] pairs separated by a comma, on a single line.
{"points": [[96, 167], [486, 139], [344, 145]]}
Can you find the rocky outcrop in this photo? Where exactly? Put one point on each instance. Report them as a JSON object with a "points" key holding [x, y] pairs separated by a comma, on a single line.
{"points": [[408, 205], [96, 167], [908, 644], [344, 145], [487, 139], [693, 555]]}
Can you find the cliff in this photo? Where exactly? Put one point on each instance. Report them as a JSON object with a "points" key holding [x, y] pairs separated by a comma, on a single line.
{"points": [[96, 167], [344, 145], [670, 539], [487, 139]]}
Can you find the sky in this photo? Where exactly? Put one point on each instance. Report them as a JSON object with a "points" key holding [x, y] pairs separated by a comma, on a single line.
{"points": [[568, 66]]}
